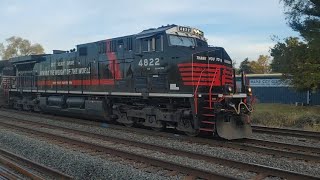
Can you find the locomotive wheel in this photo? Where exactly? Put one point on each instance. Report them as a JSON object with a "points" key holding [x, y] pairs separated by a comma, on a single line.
{"points": [[17, 106], [158, 129], [187, 128], [26, 107], [192, 134], [129, 122], [36, 108]]}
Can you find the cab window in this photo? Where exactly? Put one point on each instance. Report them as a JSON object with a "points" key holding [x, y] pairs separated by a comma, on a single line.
{"points": [[145, 45], [181, 41], [152, 44], [201, 43]]}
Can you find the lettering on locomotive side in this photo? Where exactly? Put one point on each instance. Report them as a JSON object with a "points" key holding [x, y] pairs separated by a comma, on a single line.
{"points": [[227, 61], [22, 73], [201, 58], [62, 63], [65, 71], [70, 63], [218, 59], [69, 71], [149, 62], [62, 83], [213, 59]]}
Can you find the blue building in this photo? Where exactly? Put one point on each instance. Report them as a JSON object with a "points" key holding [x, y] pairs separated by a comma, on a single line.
{"points": [[270, 88]]}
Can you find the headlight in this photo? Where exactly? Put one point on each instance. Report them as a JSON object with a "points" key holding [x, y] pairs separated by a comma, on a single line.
{"points": [[249, 91], [228, 89]]}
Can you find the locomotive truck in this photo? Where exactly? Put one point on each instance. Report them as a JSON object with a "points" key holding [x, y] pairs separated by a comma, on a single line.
{"points": [[161, 77]]}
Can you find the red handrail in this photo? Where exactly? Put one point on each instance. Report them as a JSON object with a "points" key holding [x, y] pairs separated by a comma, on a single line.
{"points": [[210, 91], [196, 93]]}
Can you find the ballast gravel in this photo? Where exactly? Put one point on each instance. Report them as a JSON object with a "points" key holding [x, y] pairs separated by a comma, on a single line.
{"points": [[174, 142], [155, 154], [76, 164]]}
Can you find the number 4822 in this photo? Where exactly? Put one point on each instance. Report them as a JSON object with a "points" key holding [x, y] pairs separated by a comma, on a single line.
{"points": [[149, 62]]}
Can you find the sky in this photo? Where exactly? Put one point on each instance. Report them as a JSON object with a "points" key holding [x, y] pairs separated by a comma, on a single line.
{"points": [[244, 28]]}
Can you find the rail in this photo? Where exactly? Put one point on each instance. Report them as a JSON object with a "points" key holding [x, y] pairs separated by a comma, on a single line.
{"points": [[15, 162], [286, 132]]}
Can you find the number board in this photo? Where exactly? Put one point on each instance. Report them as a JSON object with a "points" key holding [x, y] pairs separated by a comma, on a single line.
{"points": [[194, 31], [149, 62]]}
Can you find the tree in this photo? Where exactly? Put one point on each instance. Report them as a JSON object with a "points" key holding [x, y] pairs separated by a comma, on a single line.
{"points": [[261, 66], [304, 17], [245, 66], [296, 61], [234, 63], [16, 46]]}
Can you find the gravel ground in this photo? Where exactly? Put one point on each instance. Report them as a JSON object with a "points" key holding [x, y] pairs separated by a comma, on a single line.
{"points": [[282, 163], [76, 164], [155, 154]]}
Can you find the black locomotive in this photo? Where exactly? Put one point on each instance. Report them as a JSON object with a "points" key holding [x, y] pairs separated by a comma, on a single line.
{"points": [[167, 76]]}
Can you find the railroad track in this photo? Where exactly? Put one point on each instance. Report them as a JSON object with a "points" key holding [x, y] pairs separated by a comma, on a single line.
{"points": [[12, 165], [261, 171], [287, 132], [289, 148], [255, 128], [276, 149], [6, 173], [115, 152]]}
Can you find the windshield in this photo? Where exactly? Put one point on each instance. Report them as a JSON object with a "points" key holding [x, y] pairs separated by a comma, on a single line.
{"points": [[181, 41]]}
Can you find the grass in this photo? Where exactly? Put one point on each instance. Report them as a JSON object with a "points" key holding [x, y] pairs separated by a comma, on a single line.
{"points": [[287, 116]]}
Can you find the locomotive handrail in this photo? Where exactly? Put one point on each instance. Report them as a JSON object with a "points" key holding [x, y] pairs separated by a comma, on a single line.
{"points": [[196, 93], [210, 91]]}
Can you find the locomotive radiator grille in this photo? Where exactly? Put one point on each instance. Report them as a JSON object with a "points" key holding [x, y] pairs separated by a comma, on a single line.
{"points": [[191, 72]]}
